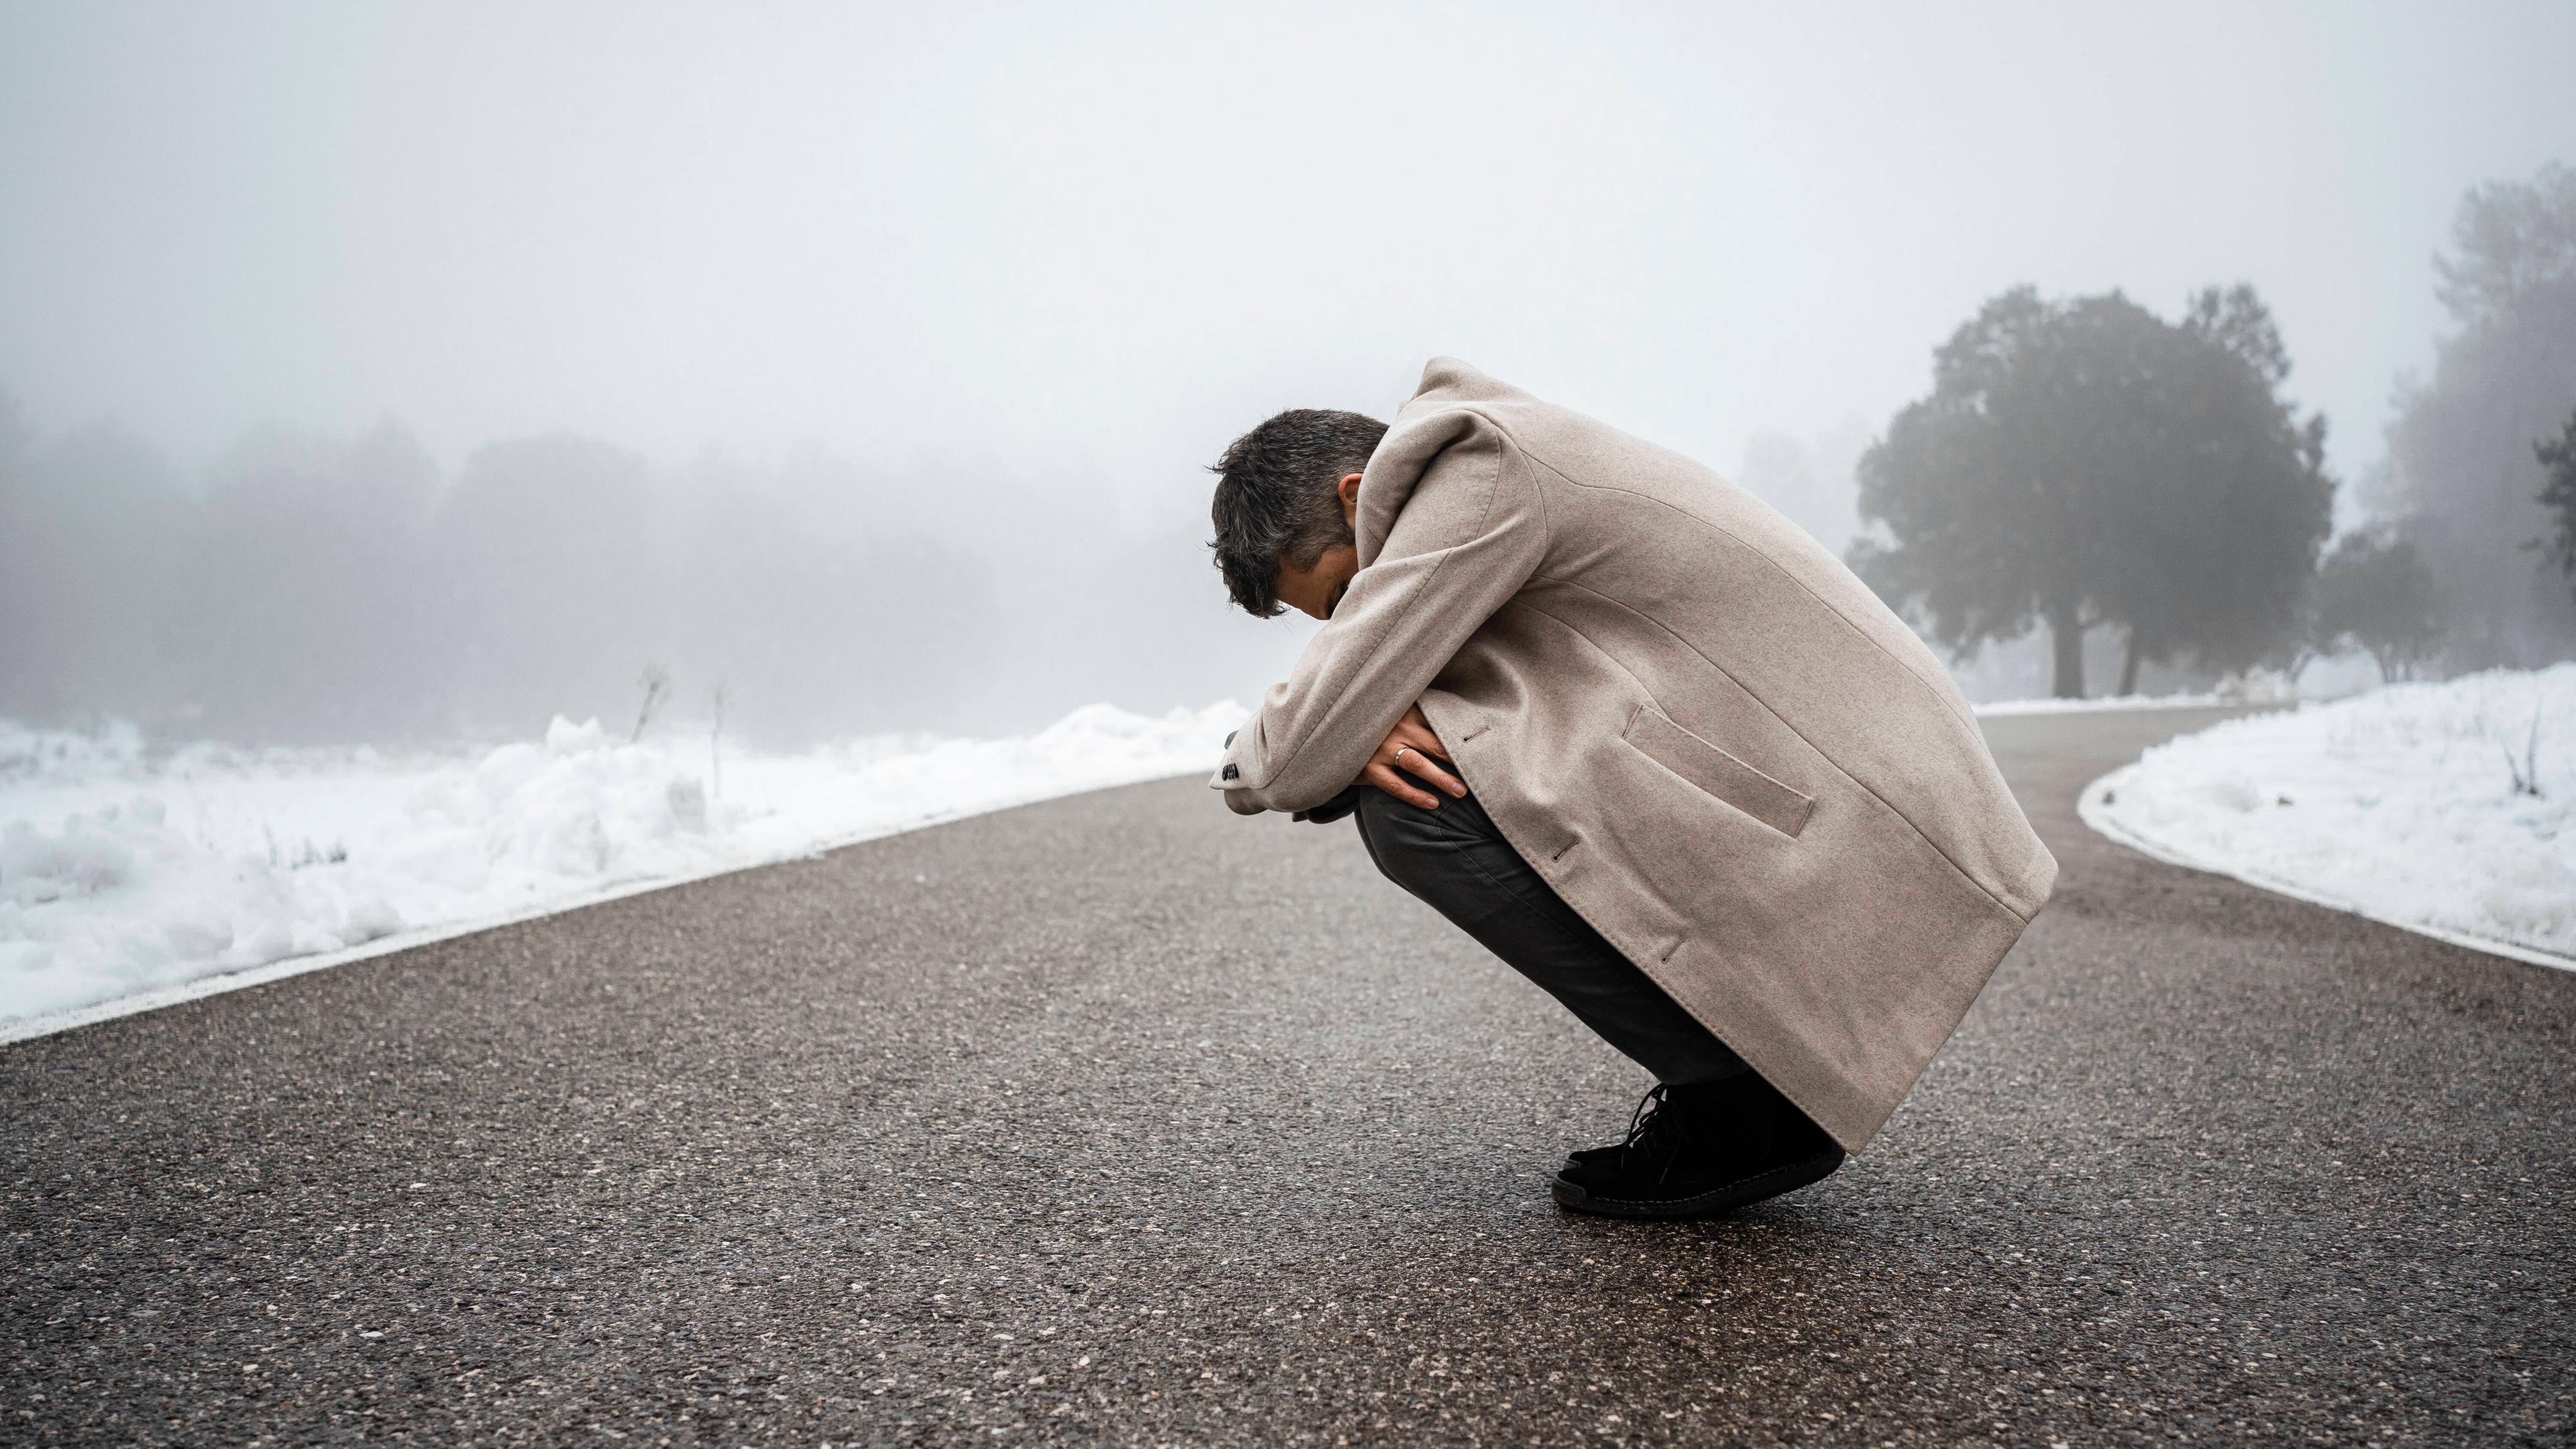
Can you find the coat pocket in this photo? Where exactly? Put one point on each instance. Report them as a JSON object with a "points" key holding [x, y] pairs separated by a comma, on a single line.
{"points": [[1718, 773]]}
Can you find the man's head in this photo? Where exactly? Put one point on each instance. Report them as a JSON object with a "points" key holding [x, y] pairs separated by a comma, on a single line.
{"points": [[1286, 495]]}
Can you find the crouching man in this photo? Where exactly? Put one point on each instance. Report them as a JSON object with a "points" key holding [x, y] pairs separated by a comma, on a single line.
{"points": [[1651, 745]]}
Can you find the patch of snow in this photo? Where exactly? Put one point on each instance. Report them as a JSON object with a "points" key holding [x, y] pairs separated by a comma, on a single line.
{"points": [[123, 874], [2444, 808]]}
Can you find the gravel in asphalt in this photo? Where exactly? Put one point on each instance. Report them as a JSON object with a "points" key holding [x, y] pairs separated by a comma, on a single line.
{"points": [[1120, 1120]]}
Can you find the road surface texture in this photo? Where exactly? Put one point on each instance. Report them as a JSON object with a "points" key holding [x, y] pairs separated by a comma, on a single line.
{"points": [[1122, 1120]]}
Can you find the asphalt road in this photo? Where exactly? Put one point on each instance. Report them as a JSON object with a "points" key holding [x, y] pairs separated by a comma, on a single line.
{"points": [[1121, 1120]]}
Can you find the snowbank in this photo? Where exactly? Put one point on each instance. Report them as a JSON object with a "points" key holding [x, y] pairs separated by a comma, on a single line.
{"points": [[121, 873], [2401, 805]]}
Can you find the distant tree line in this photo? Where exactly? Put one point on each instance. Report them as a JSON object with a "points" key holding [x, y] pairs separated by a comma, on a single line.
{"points": [[348, 589], [2465, 476], [313, 589], [2084, 464]]}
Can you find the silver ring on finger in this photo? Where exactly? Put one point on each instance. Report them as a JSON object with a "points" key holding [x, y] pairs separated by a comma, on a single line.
{"points": [[1399, 755]]}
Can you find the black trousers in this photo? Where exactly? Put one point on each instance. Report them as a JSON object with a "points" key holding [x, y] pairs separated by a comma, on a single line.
{"points": [[1456, 862]]}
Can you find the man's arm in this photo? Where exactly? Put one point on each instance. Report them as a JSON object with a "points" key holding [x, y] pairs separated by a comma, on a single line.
{"points": [[1469, 535]]}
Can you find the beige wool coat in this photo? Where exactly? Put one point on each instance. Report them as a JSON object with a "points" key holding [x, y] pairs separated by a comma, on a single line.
{"points": [[1701, 728]]}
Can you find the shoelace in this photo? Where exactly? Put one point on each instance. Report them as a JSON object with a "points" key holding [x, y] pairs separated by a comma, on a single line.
{"points": [[1649, 1126]]}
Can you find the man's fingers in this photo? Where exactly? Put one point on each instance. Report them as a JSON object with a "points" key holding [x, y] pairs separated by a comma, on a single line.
{"points": [[1396, 785], [1418, 760], [1414, 737], [1416, 732]]}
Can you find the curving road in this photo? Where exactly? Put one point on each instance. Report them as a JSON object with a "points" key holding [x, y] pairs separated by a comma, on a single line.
{"points": [[1118, 1119]]}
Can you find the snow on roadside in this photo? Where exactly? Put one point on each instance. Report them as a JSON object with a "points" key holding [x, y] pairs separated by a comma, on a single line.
{"points": [[123, 873], [2401, 805]]}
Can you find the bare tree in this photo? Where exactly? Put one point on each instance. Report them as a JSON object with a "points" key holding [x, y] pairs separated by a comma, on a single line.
{"points": [[655, 681], [715, 741]]}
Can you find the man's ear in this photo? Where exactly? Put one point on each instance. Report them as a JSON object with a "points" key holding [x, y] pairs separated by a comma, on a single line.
{"points": [[1350, 491]]}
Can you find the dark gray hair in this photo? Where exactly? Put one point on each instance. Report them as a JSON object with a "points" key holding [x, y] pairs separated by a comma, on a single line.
{"points": [[1278, 498]]}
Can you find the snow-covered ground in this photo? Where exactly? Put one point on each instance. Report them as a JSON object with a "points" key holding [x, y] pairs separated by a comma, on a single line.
{"points": [[2401, 805], [126, 871]]}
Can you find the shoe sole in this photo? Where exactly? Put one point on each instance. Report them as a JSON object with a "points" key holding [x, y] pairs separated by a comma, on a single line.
{"points": [[1726, 1199]]}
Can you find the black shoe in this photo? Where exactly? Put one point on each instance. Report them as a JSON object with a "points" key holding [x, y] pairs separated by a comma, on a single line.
{"points": [[1699, 1150]]}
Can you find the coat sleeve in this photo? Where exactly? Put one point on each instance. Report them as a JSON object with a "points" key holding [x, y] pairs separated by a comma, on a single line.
{"points": [[1467, 537]]}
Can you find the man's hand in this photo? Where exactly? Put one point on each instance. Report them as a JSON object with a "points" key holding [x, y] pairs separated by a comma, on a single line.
{"points": [[1407, 756]]}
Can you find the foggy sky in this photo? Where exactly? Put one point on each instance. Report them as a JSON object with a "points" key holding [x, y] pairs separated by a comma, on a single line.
{"points": [[1082, 247], [1102, 238]]}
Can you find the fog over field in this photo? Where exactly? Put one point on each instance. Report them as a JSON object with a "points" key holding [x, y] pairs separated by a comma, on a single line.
{"points": [[386, 373]]}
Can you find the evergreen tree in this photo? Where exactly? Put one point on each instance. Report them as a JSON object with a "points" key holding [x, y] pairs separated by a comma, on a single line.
{"points": [[2461, 471], [2374, 592], [2558, 493], [2084, 462]]}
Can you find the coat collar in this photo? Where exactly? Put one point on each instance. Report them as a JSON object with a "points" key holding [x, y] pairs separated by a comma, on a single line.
{"points": [[1443, 409]]}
